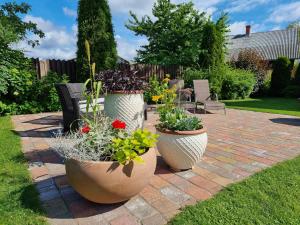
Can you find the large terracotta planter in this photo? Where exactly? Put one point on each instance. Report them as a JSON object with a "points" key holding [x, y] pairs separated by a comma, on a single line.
{"points": [[110, 182], [128, 107], [182, 149]]}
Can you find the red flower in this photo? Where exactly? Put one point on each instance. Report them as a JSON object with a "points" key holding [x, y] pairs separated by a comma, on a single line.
{"points": [[118, 124], [85, 129]]}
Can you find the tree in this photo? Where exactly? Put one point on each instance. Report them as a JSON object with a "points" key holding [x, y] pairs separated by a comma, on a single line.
{"points": [[213, 43], [95, 25], [281, 75], [293, 25], [13, 28], [174, 35], [15, 69]]}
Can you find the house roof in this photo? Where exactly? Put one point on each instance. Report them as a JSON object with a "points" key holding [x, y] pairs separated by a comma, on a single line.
{"points": [[270, 45]]}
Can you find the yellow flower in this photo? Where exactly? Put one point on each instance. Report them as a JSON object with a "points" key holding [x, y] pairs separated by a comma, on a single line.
{"points": [[166, 80], [168, 75], [156, 98]]}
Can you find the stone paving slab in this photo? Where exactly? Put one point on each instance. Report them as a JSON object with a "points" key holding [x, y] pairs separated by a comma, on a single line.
{"points": [[240, 144]]}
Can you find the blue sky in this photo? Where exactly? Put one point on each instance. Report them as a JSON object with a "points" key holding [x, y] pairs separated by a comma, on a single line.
{"points": [[57, 18]]}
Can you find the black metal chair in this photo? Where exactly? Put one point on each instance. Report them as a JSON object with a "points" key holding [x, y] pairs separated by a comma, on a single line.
{"points": [[70, 94]]}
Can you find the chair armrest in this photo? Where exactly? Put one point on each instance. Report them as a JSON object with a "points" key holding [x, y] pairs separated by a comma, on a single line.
{"points": [[187, 93], [215, 97]]}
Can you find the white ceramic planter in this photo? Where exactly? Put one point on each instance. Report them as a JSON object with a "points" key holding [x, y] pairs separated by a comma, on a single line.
{"points": [[182, 149], [128, 108]]}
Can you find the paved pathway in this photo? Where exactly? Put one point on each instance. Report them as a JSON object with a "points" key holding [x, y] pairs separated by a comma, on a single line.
{"points": [[240, 144]]}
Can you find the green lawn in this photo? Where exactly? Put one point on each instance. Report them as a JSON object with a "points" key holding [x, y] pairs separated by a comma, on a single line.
{"points": [[269, 197], [19, 203], [285, 106]]}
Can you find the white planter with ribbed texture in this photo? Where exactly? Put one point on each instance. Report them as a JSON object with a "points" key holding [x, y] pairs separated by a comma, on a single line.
{"points": [[182, 149], [127, 107]]}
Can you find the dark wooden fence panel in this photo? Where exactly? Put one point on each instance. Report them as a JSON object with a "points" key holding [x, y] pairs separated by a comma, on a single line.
{"points": [[68, 68]]}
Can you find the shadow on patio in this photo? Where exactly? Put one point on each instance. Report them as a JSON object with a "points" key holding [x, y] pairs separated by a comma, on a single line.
{"points": [[287, 121]]}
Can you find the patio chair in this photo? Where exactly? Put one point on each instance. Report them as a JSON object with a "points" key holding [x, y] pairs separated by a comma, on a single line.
{"points": [[203, 97], [70, 95]]}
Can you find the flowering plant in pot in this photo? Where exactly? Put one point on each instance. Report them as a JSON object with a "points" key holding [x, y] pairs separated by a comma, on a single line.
{"points": [[182, 138], [105, 163], [124, 96]]}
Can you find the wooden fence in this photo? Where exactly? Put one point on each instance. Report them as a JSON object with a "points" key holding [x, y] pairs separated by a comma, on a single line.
{"points": [[68, 67]]}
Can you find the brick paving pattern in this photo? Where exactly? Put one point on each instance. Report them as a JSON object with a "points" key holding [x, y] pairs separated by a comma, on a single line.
{"points": [[240, 144]]}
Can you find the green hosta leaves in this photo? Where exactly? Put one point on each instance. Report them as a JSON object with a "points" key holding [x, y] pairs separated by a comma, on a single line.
{"points": [[177, 119], [133, 146]]}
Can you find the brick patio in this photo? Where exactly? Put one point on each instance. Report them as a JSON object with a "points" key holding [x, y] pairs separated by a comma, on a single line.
{"points": [[240, 144]]}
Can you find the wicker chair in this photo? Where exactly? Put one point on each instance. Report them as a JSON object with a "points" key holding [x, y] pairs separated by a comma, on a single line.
{"points": [[70, 95], [203, 97]]}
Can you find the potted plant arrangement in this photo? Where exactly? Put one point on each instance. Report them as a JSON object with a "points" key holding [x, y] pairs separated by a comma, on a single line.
{"points": [[124, 96], [105, 163], [182, 138]]}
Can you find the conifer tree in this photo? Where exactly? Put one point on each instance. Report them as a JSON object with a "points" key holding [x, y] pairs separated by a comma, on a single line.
{"points": [[95, 25]]}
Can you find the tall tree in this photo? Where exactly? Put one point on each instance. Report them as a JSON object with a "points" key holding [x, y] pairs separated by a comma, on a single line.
{"points": [[213, 43], [95, 25], [174, 34]]}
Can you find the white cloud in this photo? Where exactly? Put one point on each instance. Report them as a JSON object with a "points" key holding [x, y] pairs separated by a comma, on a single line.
{"points": [[127, 49], [69, 12], [285, 13], [239, 27], [58, 43], [245, 5], [139, 7], [142, 8]]}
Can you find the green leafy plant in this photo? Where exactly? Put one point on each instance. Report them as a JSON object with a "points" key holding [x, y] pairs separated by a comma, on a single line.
{"points": [[173, 118], [176, 119], [130, 148]]}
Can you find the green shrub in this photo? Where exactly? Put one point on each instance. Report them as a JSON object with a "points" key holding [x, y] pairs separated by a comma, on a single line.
{"points": [[226, 82], [237, 84], [251, 60], [192, 74], [45, 91], [281, 75], [291, 91], [297, 76], [31, 95]]}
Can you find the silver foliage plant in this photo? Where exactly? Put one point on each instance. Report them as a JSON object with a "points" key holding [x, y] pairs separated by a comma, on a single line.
{"points": [[96, 146]]}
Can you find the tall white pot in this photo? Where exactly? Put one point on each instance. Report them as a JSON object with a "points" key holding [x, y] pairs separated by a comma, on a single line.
{"points": [[182, 149], [127, 107]]}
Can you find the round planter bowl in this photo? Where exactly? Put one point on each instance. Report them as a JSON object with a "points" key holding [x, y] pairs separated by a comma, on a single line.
{"points": [[110, 182], [182, 149], [127, 107]]}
